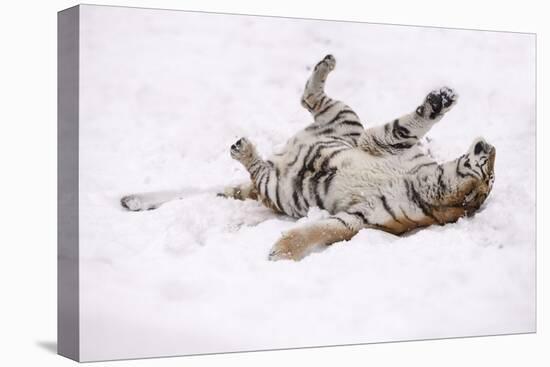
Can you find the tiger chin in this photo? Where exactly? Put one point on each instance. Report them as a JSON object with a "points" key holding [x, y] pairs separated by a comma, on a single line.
{"points": [[365, 177]]}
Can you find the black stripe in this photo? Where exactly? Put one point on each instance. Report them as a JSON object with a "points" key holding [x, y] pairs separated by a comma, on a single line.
{"points": [[316, 126], [390, 147], [304, 197], [323, 171], [329, 178], [298, 180], [330, 130], [267, 185], [442, 187], [483, 176], [339, 138], [328, 159], [314, 186], [351, 123], [310, 167], [341, 221], [319, 102], [388, 209], [352, 134], [256, 172], [297, 155], [330, 144], [317, 196], [407, 217], [420, 166], [336, 117], [339, 114], [277, 196], [259, 183], [297, 204], [360, 215], [409, 193], [316, 179], [462, 174], [367, 223], [401, 132], [395, 126], [400, 146], [309, 164], [254, 164], [306, 157], [352, 139], [305, 98], [324, 110], [380, 143], [425, 207]]}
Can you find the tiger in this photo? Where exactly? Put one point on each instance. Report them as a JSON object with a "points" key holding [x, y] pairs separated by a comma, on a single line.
{"points": [[378, 177]]}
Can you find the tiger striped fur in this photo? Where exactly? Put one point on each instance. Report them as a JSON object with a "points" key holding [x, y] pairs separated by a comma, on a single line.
{"points": [[377, 177]]}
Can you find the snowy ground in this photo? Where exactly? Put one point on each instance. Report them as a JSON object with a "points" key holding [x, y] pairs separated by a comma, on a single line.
{"points": [[164, 94]]}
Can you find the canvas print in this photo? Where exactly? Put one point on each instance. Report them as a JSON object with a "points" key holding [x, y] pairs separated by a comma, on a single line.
{"points": [[252, 183]]}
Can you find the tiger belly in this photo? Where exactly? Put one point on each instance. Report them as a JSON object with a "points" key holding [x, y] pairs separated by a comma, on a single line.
{"points": [[305, 173], [337, 177]]}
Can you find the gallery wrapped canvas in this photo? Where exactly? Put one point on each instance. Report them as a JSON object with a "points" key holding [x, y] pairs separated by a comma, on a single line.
{"points": [[234, 183]]}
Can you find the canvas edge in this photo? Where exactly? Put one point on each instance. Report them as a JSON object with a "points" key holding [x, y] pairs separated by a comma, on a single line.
{"points": [[68, 328]]}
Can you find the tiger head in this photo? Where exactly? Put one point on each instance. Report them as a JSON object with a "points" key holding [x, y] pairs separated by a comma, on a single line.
{"points": [[475, 176], [478, 165]]}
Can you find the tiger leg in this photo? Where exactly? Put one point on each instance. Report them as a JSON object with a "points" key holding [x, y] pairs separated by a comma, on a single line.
{"points": [[299, 242], [264, 175], [240, 192], [314, 97], [404, 132], [149, 200], [323, 108]]}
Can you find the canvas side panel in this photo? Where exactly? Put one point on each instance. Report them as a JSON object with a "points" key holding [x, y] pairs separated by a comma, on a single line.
{"points": [[67, 183]]}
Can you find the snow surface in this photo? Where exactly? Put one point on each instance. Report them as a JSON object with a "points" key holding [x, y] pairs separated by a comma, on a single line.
{"points": [[163, 96]]}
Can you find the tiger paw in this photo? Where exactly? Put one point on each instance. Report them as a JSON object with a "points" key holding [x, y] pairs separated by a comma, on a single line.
{"points": [[326, 65], [132, 203], [243, 150], [437, 103], [231, 192], [279, 252], [291, 246]]}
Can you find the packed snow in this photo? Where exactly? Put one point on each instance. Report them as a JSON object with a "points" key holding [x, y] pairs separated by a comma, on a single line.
{"points": [[163, 94]]}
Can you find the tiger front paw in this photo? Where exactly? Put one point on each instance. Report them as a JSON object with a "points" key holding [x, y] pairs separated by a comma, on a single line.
{"points": [[437, 103]]}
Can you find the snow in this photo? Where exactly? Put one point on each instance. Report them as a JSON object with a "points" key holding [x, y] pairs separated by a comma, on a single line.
{"points": [[163, 94]]}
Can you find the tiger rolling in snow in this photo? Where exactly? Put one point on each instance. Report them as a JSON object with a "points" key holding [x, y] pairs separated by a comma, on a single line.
{"points": [[377, 177]]}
